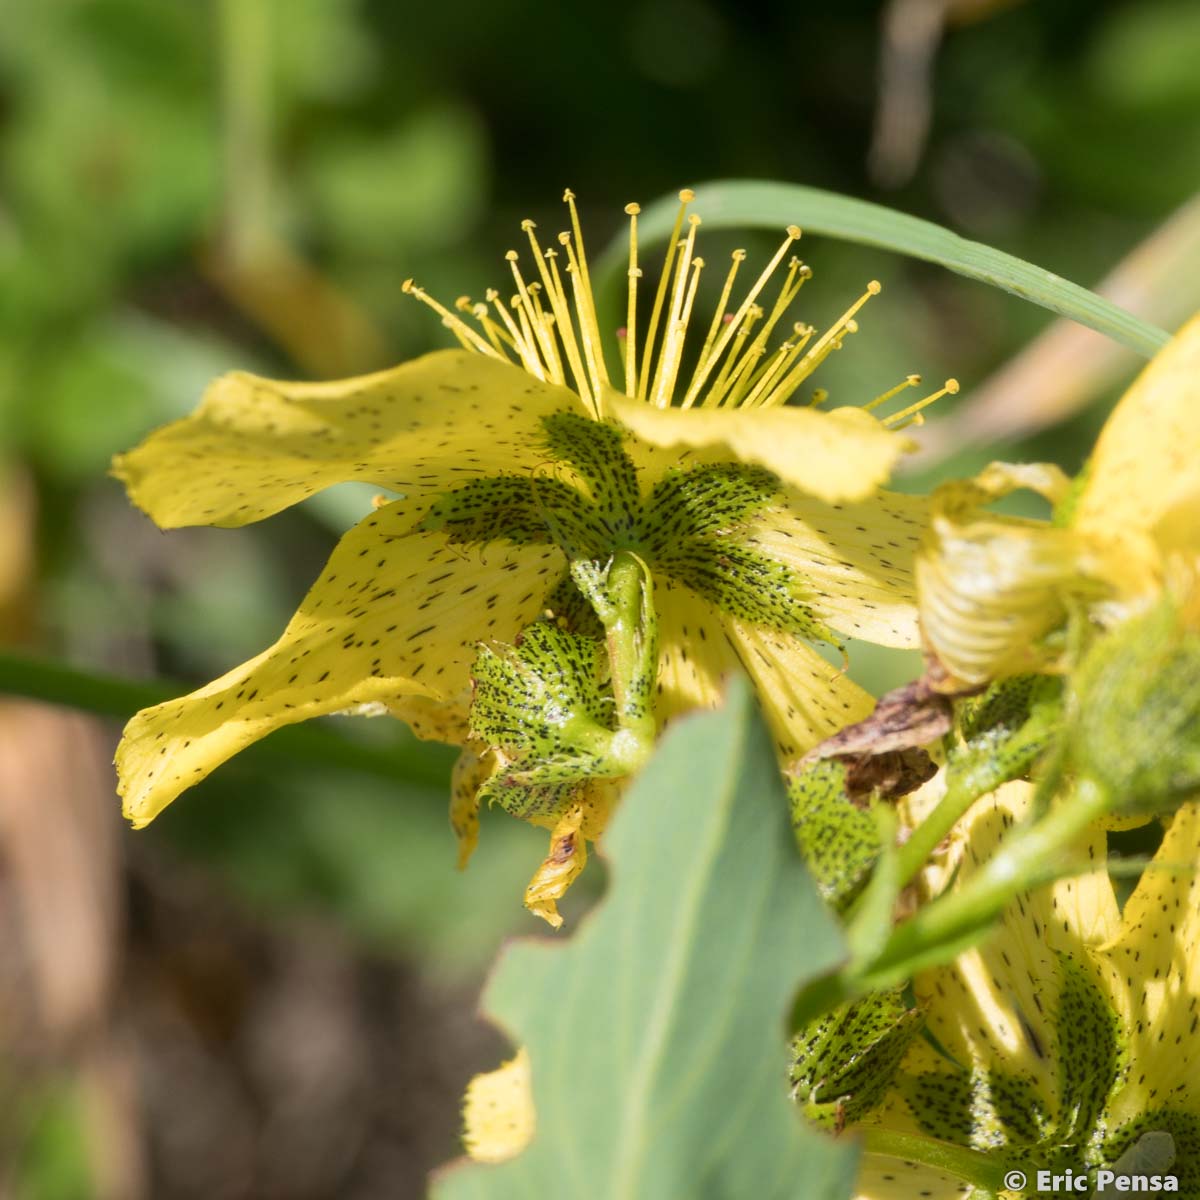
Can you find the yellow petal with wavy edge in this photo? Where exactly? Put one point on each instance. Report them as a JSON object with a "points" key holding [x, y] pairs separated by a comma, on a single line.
{"points": [[1153, 965], [844, 454], [256, 446], [394, 620], [498, 1113], [855, 560], [994, 1006], [1146, 465], [804, 698]]}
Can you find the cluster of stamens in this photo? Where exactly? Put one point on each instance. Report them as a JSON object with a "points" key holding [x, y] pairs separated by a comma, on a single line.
{"points": [[555, 335]]}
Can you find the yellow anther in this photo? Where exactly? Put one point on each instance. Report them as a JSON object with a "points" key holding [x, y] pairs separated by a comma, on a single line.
{"points": [[883, 398], [527, 225], [793, 231], [632, 210], [687, 195], [912, 414]]}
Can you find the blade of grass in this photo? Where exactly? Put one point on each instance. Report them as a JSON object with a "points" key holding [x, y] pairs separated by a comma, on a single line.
{"points": [[749, 203]]}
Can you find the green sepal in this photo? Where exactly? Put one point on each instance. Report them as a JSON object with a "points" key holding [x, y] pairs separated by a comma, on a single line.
{"points": [[1135, 731], [843, 1063], [839, 841], [545, 706]]}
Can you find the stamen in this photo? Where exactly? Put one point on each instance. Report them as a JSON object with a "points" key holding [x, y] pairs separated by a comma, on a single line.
{"points": [[635, 273], [667, 367], [544, 325], [829, 341], [786, 355], [543, 329], [566, 327], [818, 397], [911, 381], [469, 339], [797, 274], [593, 351], [585, 303], [497, 336], [521, 308], [685, 198], [720, 319], [527, 353], [912, 414], [703, 372], [734, 363]]}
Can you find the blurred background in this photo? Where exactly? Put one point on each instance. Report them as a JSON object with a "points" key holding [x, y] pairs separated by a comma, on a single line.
{"points": [[270, 993]]}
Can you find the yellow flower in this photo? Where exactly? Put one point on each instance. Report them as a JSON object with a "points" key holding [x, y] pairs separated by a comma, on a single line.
{"points": [[995, 593], [517, 460], [1066, 1039]]}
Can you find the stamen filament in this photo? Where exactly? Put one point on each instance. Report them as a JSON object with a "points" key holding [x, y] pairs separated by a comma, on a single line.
{"points": [[566, 327], [667, 367], [497, 336], [685, 197], [738, 256], [521, 308], [586, 303], [529, 358], [949, 388], [635, 273], [911, 381], [465, 334], [827, 342], [703, 371]]}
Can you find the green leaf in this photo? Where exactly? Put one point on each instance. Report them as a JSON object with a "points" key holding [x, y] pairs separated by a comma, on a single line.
{"points": [[752, 203], [656, 1032]]}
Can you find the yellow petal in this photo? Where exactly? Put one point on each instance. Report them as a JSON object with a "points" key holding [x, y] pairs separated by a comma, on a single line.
{"points": [[992, 588], [470, 771], [498, 1114], [856, 560], [394, 619], [1146, 465], [256, 446], [695, 657], [804, 698], [1153, 964], [844, 454], [881, 1178], [994, 1005]]}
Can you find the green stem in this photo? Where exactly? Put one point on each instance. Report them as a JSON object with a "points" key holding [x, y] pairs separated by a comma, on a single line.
{"points": [[1025, 859], [972, 1166], [632, 645], [923, 840], [245, 45], [111, 696], [978, 773]]}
